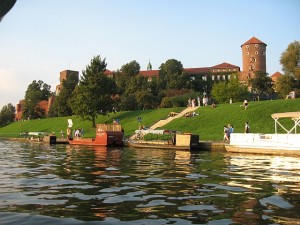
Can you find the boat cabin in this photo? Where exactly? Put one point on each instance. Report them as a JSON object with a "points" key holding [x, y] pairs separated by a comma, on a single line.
{"points": [[109, 134]]}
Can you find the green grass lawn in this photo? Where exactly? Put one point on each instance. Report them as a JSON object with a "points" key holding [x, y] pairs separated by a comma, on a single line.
{"points": [[208, 124], [128, 119]]}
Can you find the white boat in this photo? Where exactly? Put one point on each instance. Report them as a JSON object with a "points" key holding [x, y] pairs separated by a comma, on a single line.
{"points": [[283, 144]]}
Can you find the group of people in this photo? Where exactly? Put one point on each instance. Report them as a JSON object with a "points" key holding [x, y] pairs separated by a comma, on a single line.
{"points": [[229, 129], [77, 133], [194, 103]]}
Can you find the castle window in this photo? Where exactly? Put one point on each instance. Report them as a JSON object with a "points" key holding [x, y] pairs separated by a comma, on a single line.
{"points": [[256, 45], [218, 77], [212, 77], [256, 52], [224, 77], [228, 77], [247, 46], [247, 53], [204, 78]]}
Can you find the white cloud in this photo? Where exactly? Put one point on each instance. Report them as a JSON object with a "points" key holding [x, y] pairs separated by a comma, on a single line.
{"points": [[12, 87]]}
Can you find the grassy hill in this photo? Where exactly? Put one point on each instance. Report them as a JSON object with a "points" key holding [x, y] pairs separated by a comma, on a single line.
{"points": [[208, 124]]}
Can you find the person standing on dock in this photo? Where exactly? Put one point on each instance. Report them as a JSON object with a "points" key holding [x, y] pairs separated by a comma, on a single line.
{"points": [[69, 133], [225, 137]]}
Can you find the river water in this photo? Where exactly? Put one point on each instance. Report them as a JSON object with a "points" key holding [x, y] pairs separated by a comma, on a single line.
{"points": [[63, 184]]}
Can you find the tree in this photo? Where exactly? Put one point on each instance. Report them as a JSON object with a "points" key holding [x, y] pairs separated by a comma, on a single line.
{"points": [[290, 60], [61, 105], [262, 84], [236, 91], [138, 83], [93, 94], [128, 102], [224, 91], [145, 100], [36, 92], [219, 92], [126, 73], [284, 85], [171, 74], [5, 7], [7, 115]]}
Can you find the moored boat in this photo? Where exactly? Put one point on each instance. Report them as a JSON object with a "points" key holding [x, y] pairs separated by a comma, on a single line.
{"points": [[283, 144], [177, 141], [106, 135]]}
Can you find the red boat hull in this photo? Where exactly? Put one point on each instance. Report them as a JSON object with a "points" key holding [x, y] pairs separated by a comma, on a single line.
{"points": [[104, 138]]}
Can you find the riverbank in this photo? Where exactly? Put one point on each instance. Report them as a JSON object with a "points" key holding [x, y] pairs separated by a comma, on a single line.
{"points": [[208, 124], [203, 145]]}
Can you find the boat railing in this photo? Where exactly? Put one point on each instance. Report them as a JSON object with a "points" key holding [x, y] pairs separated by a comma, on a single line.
{"points": [[261, 139], [109, 127]]}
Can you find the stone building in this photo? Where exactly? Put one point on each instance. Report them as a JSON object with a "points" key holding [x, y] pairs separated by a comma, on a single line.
{"points": [[63, 76], [254, 59], [46, 104]]}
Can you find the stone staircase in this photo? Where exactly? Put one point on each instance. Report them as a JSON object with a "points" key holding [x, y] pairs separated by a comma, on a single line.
{"points": [[163, 122]]}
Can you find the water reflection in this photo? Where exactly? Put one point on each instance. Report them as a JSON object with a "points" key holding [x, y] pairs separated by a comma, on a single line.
{"points": [[95, 185]]}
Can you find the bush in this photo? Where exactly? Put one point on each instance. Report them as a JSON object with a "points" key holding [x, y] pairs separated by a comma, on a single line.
{"points": [[166, 103]]}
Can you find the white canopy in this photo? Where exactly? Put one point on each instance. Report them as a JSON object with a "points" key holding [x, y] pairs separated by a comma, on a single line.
{"points": [[286, 115], [293, 115]]}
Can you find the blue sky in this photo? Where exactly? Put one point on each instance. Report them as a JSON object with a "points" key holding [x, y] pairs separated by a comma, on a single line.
{"points": [[39, 39]]}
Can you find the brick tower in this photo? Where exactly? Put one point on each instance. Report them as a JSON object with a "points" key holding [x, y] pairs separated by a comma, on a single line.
{"points": [[254, 58]]}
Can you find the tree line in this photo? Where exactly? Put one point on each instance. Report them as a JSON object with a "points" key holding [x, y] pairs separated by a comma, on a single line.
{"points": [[94, 93]]}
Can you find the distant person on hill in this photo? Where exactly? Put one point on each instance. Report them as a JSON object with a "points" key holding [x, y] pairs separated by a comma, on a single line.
{"points": [[245, 104], [247, 127], [189, 102]]}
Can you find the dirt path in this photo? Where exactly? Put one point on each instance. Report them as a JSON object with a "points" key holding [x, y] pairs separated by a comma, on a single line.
{"points": [[163, 122]]}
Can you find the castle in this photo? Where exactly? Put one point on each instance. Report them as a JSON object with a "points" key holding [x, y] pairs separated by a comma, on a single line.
{"points": [[254, 60], [253, 57], [46, 104]]}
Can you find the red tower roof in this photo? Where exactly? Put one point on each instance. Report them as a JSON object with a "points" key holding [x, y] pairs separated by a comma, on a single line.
{"points": [[253, 40]]}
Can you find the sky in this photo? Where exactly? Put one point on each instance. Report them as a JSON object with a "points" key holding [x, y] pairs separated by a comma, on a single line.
{"points": [[39, 39]]}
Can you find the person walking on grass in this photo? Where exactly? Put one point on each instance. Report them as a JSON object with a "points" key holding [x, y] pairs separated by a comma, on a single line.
{"points": [[247, 127]]}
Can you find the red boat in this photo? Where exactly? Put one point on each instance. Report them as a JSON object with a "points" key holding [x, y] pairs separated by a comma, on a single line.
{"points": [[106, 135]]}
